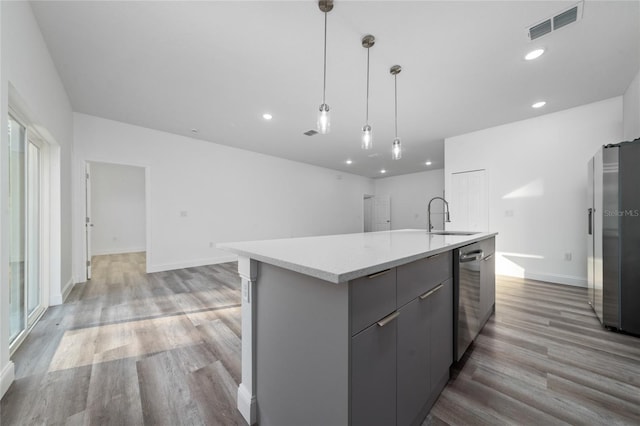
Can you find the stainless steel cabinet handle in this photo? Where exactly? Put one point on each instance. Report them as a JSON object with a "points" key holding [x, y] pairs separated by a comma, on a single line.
{"points": [[377, 274], [471, 256], [590, 229], [386, 320], [489, 257], [430, 292]]}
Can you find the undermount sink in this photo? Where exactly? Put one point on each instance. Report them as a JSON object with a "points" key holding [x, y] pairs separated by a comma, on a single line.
{"points": [[452, 233]]}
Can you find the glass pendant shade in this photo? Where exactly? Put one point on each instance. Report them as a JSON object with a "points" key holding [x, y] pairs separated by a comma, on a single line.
{"points": [[324, 119], [367, 137], [396, 152]]}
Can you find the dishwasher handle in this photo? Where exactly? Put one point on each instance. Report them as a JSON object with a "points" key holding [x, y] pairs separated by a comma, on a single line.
{"points": [[471, 256]]}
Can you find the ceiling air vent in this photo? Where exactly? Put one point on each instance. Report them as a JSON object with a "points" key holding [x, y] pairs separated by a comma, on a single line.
{"points": [[540, 29], [310, 132], [565, 18], [553, 23]]}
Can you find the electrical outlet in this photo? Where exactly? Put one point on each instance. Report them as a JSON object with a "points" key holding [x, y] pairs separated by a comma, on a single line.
{"points": [[183, 213], [245, 290], [210, 244], [568, 256], [508, 213]]}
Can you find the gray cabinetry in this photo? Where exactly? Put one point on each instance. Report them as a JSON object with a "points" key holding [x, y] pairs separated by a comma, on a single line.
{"points": [[425, 351], [371, 298], [373, 348], [422, 275], [402, 341], [440, 305], [413, 360], [487, 281], [373, 375]]}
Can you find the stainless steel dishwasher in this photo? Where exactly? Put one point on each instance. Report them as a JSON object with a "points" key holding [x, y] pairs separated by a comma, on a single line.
{"points": [[467, 260]]}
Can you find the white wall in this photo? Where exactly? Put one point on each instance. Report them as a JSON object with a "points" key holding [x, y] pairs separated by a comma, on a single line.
{"points": [[27, 66], [410, 195], [537, 186], [227, 194], [631, 110], [117, 209]]}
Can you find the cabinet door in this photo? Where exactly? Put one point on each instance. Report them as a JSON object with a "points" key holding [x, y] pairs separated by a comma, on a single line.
{"points": [[414, 278], [371, 298], [413, 360], [373, 375], [441, 334], [487, 288]]}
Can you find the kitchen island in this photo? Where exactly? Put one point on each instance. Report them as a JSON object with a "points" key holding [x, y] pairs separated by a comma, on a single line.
{"points": [[347, 329]]}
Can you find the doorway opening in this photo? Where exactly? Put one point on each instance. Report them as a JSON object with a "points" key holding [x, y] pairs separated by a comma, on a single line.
{"points": [[376, 213], [115, 221]]}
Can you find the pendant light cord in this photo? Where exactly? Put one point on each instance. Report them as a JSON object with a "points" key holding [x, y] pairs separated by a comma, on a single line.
{"points": [[324, 84], [395, 82], [367, 109]]}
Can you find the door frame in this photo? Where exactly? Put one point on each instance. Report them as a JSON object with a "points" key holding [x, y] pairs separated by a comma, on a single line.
{"points": [[84, 165], [484, 195], [88, 222], [49, 225]]}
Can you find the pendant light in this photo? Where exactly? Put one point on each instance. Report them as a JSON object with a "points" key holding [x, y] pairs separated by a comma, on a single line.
{"points": [[367, 136], [396, 151], [324, 117]]}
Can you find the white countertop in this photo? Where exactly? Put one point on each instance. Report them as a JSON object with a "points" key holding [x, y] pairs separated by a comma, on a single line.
{"points": [[340, 258]]}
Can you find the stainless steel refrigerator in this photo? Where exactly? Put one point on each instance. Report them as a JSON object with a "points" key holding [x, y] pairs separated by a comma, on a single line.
{"points": [[613, 230]]}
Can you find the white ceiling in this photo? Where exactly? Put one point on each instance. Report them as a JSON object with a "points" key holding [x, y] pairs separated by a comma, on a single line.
{"points": [[218, 66]]}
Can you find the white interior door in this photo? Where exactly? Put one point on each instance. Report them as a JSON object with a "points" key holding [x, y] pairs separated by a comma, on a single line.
{"points": [[469, 205], [381, 213], [368, 213], [88, 223]]}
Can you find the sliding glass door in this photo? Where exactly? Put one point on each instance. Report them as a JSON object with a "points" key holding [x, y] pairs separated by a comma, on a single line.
{"points": [[32, 219], [25, 300]]}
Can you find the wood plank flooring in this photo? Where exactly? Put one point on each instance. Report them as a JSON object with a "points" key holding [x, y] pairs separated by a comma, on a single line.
{"points": [[543, 359], [130, 348]]}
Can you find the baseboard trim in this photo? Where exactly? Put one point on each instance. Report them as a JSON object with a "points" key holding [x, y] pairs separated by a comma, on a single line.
{"points": [[59, 298], [551, 278], [192, 263], [247, 405], [6, 378], [118, 251], [66, 290]]}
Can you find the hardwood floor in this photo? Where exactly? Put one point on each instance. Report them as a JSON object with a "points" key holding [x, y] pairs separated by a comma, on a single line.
{"points": [[543, 359], [130, 348]]}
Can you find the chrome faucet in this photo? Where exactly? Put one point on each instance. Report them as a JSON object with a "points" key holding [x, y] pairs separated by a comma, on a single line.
{"points": [[446, 213]]}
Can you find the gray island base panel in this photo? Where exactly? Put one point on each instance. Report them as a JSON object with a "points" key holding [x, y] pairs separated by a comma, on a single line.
{"points": [[374, 348]]}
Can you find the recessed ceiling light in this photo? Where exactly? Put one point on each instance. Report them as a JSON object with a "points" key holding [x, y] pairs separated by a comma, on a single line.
{"points": [[349, 161], [534, 54], [383, 171], [539, 104], [267, 116], [428, 163], [195, 131]]}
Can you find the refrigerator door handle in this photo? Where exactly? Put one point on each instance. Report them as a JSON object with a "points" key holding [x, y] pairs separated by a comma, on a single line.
{"points": [[590, 221]]}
